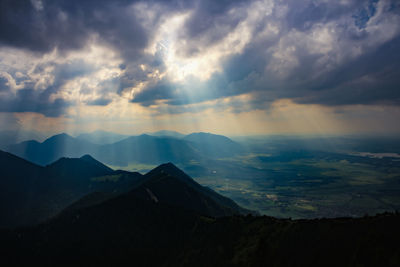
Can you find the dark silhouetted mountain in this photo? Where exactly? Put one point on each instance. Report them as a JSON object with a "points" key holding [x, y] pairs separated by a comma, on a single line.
{"points": [[134, 230], [30, 193], [147, 149], [165, 133], [53, 148], [208, 203], [85, 166], [213, 145], [168, 184], [102, 137], [51, 188], [17, 182]]}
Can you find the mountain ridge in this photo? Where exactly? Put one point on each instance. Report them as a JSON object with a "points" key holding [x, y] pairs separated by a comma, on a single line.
{"points": [[30, 193], [143, 148], [69, 179]]}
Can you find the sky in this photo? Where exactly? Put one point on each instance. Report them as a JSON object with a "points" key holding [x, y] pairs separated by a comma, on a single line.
{"points": [[228, 67]]}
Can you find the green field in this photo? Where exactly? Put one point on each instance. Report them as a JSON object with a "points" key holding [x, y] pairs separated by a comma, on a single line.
{"points": [[299, 183], [134, 167], [303, 186]]}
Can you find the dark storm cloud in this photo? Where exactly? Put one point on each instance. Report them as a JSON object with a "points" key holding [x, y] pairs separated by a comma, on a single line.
{"points": [[4, 84], [67, 24], [371, 79], [158, 91], [29, 100], [210, 23], [99, 102]]}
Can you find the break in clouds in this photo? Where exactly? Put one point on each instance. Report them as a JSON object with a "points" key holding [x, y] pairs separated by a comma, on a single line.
{"points": [[174, 55]]}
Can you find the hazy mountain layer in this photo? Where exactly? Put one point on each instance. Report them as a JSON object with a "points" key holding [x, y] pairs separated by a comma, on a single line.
{"points": [[142, 148], [102, 137]]}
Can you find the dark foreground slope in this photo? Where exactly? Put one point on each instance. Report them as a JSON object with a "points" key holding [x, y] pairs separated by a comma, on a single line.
{"points": [[134, 231]]}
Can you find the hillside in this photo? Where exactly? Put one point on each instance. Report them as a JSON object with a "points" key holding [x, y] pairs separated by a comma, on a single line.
{"points": [[30, 193], [137, 231], [213, 145], [102, 137], [147, 149], [53, 148]]}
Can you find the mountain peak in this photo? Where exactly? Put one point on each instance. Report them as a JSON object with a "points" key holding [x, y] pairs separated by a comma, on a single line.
{"points": [[167, 133], [87, 157], [76, 165], [203, 135], [169, 165], [169, 168], [58, 137]]}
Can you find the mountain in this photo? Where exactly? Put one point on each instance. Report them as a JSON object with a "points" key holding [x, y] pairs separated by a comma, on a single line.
{"points": [[213, 145], [168, 184], [143, 148], [165, 218], [147, 149], [53, 148], [165, 133], [133, 229], [17, 180], [11, 137], [208, 203], [85, 166], [102, 137], [30, 193]]}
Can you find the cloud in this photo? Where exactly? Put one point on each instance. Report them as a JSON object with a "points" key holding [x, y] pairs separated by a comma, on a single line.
{"points": [[99, 102], [44, 25], [183, 56], [27, 100], [311, 52]]}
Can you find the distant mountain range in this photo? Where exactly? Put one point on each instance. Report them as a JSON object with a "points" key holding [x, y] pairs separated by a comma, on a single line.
{"points": [[143, 148], [53, 148], [102, 137], [30, 193], [10, 137], [213, 145], [166, 133]]}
